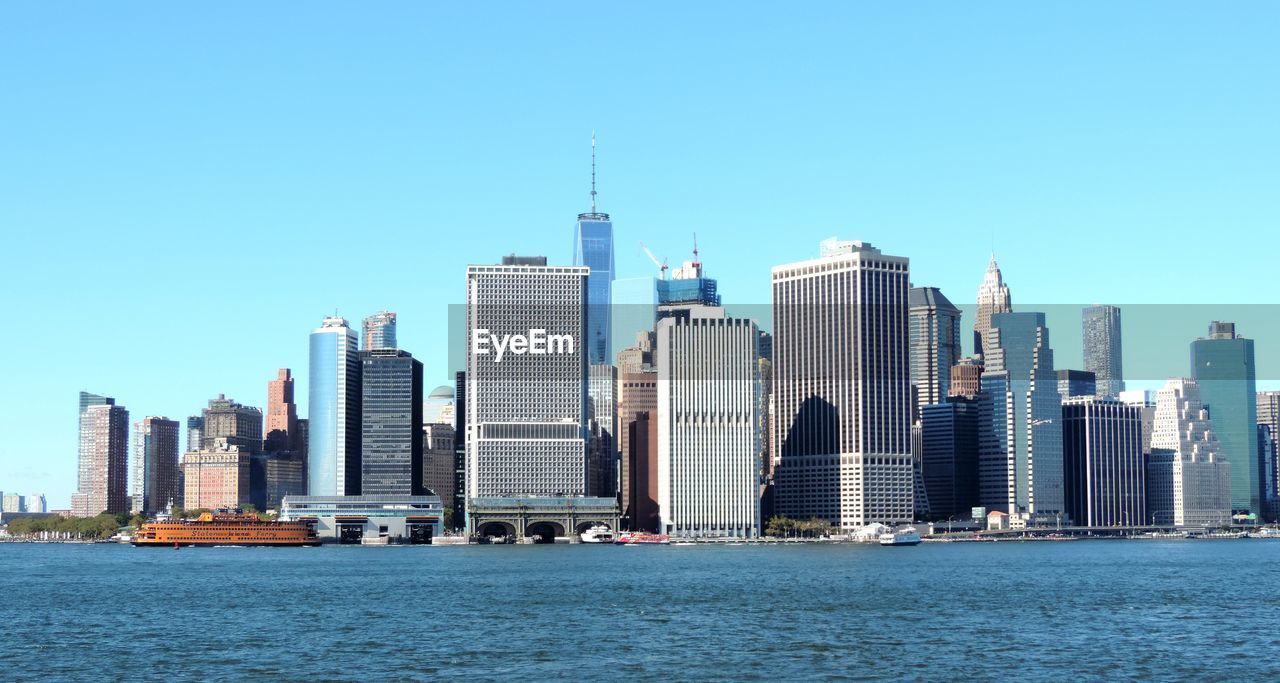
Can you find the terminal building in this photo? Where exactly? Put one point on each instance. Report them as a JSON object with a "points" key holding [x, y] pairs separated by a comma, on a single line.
{"points": [[414, 520]]}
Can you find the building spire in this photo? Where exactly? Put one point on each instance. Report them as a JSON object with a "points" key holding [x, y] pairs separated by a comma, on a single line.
{"points": [[593, 171]]}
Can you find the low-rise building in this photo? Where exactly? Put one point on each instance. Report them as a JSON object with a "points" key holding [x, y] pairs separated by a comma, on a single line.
{"points": [[368, 519]]}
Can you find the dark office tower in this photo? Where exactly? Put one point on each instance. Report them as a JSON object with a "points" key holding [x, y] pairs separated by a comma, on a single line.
{"points": [[642, 494], [842, 387], [1104, 476], [459, 450], [240, 425], [637, 393], [966, 377], [1077, 383], [766, 346], [379, 332], [593, 247], [104, 443], [195, 431], [153, 476], [1222, 364], [602, 445], [282, 413], [1020, 437], [949, 456], [1101, 331], [1267, 453], [935, 343], [391, 424]]}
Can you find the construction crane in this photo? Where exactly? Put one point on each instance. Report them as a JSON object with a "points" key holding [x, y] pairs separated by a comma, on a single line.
{"points": [[662, 265]]}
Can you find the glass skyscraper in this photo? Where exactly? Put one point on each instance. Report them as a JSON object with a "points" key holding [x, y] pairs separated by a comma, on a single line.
{"points": [[593, 247], [1222, 364], [1020, 462], [333, 411], [1101, 336]]}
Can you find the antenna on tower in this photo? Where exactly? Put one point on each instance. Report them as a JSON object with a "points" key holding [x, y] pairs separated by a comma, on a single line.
{"points": [[696, 262], [593, 171]]}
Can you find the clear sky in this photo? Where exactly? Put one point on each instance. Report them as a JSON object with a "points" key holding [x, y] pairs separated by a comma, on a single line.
{"points": [[186, 191]]}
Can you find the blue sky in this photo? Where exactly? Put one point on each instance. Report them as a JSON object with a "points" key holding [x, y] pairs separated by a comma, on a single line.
{"points": [[185, 191]]}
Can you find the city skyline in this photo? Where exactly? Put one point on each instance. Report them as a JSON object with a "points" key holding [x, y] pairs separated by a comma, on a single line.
{"points": [[865, 161]]}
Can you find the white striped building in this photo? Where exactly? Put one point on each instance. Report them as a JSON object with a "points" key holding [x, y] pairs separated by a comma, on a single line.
{"points": [[708, 425], [842, 387]]}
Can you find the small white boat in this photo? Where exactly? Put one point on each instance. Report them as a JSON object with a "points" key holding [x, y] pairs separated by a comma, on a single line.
{"points": [[906, 536], [597, 534]]}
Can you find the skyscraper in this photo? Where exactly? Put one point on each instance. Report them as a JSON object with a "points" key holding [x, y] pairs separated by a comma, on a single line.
{"points": [[1101, 337], [239, 425], [593, 247], [333, 411], [391, 424], [993, 298], [935, 343], [1222, 364], [1104, 474], [708, 424], [526, 405], [195, 429], [36, 503], [1189, 482], [104, 442], [949, 456], [282, 413], [842, 387], [379, 331], [153, 472], [1077, 383], [602, 463], [1020, 465]]}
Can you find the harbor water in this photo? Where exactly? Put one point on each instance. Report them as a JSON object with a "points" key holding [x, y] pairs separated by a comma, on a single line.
{"points": [[1150, 609]]}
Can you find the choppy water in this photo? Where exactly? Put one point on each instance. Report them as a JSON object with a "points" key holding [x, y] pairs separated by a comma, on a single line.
{"points": [[1040, 611]]}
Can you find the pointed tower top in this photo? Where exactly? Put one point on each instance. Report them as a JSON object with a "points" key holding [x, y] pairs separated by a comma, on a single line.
{"points": [[992, 265]]}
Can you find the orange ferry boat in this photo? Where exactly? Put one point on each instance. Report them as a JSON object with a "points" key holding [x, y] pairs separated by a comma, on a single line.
{"points": [[225, 529]]}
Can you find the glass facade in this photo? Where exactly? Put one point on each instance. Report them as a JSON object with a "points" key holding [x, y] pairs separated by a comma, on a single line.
{"points": [[593, 247], [1223, 366], [333, 437]]}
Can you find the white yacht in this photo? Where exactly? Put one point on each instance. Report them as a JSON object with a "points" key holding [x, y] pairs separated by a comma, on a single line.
{"points": [[597, 534], [904, 536]]}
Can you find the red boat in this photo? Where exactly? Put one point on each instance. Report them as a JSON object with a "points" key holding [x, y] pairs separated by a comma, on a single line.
{"points": [[641, 538]]}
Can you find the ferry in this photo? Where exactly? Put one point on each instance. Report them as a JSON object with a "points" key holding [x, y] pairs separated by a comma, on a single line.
{"points": [[224, 529], [597, 534], [901, 537], [641, 538]]}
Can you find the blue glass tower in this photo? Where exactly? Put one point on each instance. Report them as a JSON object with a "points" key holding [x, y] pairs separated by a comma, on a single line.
{"points": [[593, 247], [333, 409]]}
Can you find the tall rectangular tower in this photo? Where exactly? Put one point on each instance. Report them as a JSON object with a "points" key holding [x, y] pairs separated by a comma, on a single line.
{"points": [[153, 473], [935, 343], [104, 442], [526, 398], [1101, 337], [1103, 465], [708, 425], [333, 411], [1020, 466], [1223, 365], [842, 386], [391, 424]]}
